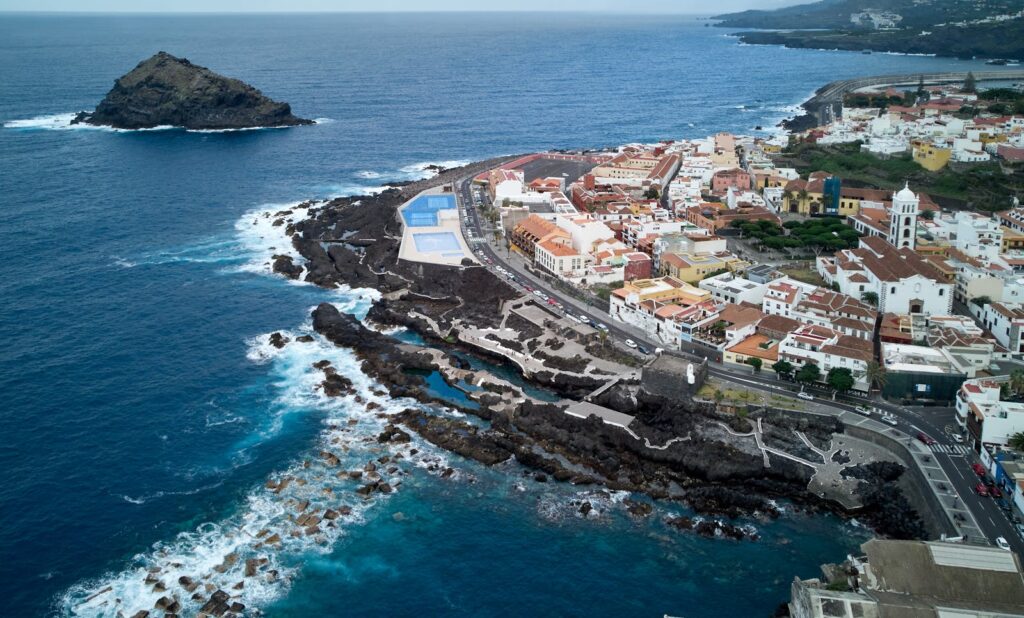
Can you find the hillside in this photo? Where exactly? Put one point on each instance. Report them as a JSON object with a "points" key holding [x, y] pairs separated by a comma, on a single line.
{"points": [[835, 14]]}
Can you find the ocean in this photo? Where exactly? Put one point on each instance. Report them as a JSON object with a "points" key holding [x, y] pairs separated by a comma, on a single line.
{"points": [[143, 409]]}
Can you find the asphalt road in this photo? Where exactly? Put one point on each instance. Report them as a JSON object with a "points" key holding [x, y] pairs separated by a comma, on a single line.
{"points": [[936, 423]]}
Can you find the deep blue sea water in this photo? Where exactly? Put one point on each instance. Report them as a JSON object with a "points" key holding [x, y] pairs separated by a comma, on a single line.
{"points": [[140, 409]]}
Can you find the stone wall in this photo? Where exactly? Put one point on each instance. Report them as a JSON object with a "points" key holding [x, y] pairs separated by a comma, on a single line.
{"points": [[667, 376]]}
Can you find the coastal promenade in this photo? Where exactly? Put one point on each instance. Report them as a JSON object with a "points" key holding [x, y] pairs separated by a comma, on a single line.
{"points": [[826, 105], [941, 467]]}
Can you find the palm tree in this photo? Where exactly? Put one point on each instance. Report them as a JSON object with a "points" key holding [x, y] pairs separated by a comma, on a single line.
{"points": [[1016, 441], [1017, 381], [719, 396], [875, 375]]}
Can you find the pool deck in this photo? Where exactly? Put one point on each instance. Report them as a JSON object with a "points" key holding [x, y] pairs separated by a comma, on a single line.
{"points": [[448, 222]]}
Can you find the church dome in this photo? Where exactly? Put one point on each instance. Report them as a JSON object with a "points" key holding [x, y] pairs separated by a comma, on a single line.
{"points": [[905, 194]]}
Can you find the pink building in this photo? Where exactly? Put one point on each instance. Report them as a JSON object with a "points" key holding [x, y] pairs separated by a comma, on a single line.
{"points": [[735, 178]]}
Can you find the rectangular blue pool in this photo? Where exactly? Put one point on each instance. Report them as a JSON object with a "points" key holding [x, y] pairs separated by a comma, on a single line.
{"points": [[422, 212], [437, 242]]}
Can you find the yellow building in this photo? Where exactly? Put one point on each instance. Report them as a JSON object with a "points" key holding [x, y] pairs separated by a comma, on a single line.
{"points": [[1012, 240], [662, 290], [807, 197], [931, 157], [693, 268]]}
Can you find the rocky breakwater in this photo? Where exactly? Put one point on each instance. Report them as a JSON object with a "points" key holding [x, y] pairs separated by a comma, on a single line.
{"points": [[168, 91]]}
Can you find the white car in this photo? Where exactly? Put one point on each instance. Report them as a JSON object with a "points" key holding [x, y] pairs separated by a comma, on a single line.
{"points": [[864, 411], [631, 343], [958, 438], [889, 419], [805, 395], [602, 327], [584, 319], [1002, 544]]}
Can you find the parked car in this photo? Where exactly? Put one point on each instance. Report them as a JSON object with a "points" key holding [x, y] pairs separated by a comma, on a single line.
{"points": [[602, 327], [1020, 529], [981, 489], [631, 343], [641, 349], [1002, 544], [889, 419], [925, 438], [978, 469], [551, 301], [584, 319], [805, 395]]}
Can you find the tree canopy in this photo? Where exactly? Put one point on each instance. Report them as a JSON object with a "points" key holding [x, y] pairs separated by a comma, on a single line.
{"points": [[808, 373], [840, 378]]}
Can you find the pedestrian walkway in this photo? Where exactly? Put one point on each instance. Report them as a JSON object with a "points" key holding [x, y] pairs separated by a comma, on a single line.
{"points": [[951, 449]]}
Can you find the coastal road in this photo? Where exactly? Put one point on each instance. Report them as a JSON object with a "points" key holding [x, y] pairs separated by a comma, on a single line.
{"points": [[948, 455]]}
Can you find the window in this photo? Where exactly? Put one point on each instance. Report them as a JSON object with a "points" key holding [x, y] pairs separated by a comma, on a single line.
{"points": [[942, 292], [893, 290]]}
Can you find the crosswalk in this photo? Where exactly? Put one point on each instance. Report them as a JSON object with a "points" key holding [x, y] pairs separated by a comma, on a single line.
{"points": [[951, 449]]}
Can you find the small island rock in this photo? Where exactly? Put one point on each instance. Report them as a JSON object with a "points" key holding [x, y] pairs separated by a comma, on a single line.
{"points": [[169, 91]]}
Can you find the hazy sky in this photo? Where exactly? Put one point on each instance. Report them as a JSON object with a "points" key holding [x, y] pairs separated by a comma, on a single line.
{"points": [[650, 6]]}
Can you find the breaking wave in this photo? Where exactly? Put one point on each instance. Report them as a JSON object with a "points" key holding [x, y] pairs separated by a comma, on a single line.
{"points": [[253, 554]]}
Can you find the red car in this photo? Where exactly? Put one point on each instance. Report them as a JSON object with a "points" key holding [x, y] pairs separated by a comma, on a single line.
{"points": [[981, 489], [925, 438], [978, 469]]}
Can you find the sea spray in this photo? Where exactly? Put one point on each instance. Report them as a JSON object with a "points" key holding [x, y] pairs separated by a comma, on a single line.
{"points": [[262, 544]]}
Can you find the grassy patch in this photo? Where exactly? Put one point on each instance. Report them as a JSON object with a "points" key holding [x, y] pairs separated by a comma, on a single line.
{"points": [[981, 185], [803, 272]]}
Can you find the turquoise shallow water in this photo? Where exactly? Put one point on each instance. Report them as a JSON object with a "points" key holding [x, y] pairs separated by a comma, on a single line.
{"points": [[143, 409]]}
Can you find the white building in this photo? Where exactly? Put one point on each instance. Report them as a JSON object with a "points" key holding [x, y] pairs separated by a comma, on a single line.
{"points": [[902, 280], [829, 349], [903, 218], [1006, 323], [729, 288], [988, 419]]}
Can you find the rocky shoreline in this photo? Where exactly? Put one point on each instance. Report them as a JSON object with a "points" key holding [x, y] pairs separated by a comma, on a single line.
{"points": [[354, 241]]}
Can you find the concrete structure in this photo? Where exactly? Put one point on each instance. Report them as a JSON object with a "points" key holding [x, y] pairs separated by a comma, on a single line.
{"points": [[828, 349], [1006, 323], [915, 579], [674, 377], [430, 230]]}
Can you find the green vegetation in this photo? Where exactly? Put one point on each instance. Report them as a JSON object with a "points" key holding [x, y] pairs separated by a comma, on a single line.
{"points": [[604, 292], [808, 373], [803, 271], [980, 185], [870, 298], [840, 378], [819, 234], [823, 233], [755, 362], [875, 374], [783, 368], [1017, 441]]}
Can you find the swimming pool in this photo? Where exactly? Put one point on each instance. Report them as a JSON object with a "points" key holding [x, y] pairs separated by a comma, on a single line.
{"points": [[438, 242], [422, 212]]}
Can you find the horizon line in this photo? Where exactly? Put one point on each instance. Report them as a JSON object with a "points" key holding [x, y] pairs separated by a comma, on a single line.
{"points": [[345, 11]]}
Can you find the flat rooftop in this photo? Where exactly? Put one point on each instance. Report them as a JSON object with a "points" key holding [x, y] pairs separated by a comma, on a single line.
{"points": [[583, 409], [544, 167]]}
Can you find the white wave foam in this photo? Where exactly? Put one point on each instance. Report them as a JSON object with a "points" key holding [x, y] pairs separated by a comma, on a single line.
{"points": [[216, 552], [261, 239], [424, 170], [62, 122], [368, 174]]}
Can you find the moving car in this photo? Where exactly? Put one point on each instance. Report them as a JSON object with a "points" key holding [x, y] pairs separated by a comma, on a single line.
{"points": [[805, 395], [631, 343], [1020, 529], [1002, 544], [925, 438], [978, 469], [958, 438], [981, 489], [864, 411], [995, 492], [889, 419], [641, 349]]}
